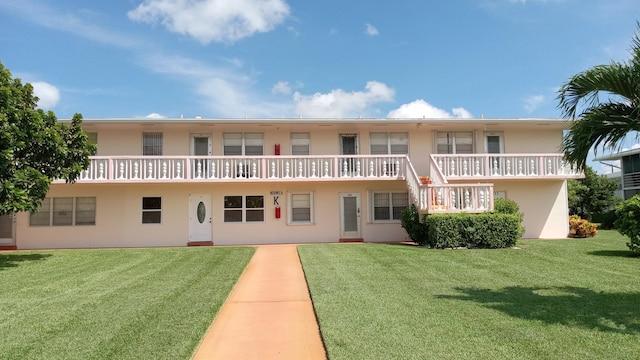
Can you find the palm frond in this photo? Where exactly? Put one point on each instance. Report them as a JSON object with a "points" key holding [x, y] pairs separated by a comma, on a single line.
{"points": [[603, 126], [616, 79]]}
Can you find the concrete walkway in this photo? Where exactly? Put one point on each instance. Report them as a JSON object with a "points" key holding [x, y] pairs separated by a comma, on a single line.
{"points": [[268, 315]]}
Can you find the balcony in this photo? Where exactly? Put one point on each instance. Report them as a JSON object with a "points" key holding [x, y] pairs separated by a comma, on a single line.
{"points": [[146, 169], [442, 197], [503, 166]]}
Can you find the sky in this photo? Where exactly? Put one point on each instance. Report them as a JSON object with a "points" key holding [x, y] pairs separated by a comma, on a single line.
{"points": [[309, 59]]}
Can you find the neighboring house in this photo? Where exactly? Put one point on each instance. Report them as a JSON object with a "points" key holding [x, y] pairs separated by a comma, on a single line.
{"points": [[177, 182], [630, 169], [617, 177]]}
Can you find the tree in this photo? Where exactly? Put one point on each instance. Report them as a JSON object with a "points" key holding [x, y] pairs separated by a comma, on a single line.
{"points": [[604, 123], [35, 148], [592, 195]]}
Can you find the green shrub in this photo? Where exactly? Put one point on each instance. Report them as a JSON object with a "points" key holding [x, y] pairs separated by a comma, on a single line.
{"points": [[508, 206], [628, 222], [473, 230], [505, 206], [416, 228], [606, 219]]}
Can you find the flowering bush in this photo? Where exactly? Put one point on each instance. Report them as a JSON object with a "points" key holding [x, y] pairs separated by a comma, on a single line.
{"points": [[581, 228]]}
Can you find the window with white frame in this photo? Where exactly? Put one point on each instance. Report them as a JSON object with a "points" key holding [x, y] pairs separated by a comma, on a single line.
{"points": [[300, 144], [383, 143], [454, 142], [152, 210], [387, 205], [244, 208], [301, 208], [243, 144], [152, 143], [92, 138], [65, 211]]}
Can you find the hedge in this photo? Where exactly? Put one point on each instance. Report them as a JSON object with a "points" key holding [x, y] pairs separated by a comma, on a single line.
{"points": [[485, 230]]}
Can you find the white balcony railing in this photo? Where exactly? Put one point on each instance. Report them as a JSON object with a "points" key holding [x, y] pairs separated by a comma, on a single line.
{"points": [[224, 168], [502, 166], [438, 196], [442, 197]]}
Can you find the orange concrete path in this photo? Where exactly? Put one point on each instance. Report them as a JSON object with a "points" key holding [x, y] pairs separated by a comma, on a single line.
{"points": [[268, 315]]}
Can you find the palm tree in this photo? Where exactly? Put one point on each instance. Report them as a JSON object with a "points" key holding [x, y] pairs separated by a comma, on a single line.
{"points": [[605, 123]]}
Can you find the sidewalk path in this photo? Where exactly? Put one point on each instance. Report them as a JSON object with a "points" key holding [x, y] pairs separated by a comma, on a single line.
{"points": [[268, 315]]}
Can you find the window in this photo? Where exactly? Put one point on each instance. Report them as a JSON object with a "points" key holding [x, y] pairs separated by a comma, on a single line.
{"points": [[300, 144], [459, 142], [151, 210], [62, 211], [300, 208], [631, 164], [388, 205], [383, 143], [92, 138], [152, 144], [248, 208], [243, 144], [65, 211], [42, 217]]}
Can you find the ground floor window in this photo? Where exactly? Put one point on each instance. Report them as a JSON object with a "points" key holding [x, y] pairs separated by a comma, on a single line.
{"points": [[244, 208], [301, 208], [152, 210], [65, 211], [388, 205]]}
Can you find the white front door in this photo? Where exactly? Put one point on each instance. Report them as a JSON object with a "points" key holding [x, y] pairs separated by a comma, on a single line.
{"points": [[6, 230], [200, 218], [350, 216]]}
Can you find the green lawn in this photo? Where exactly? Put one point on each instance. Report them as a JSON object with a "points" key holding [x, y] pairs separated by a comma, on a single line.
{"points": [[112, 304], [547, 299]]}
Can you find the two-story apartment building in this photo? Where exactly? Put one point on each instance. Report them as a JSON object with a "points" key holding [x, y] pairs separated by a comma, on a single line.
{"points": [[177, 182]]}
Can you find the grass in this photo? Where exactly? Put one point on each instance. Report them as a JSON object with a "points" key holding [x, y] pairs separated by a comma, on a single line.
{"points": [[112, 304], [547, 299]]}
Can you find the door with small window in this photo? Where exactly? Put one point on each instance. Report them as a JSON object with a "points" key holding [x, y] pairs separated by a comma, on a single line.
{"points": [[200, 227], [349, 216]]}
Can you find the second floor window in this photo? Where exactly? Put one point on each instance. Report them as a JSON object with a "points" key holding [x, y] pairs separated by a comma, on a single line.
{"points": [[454, 142], [152, 144], [300, 144], [243, 144], [383, 143]]}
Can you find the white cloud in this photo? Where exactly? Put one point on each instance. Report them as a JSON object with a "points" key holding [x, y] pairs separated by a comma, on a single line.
{"points": [[339, 103], [370, 30], [422, 109], [224, 90], [213, 20], [281, 87], [155, 116], [48, 94], [533, 102], [43, 15]]}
